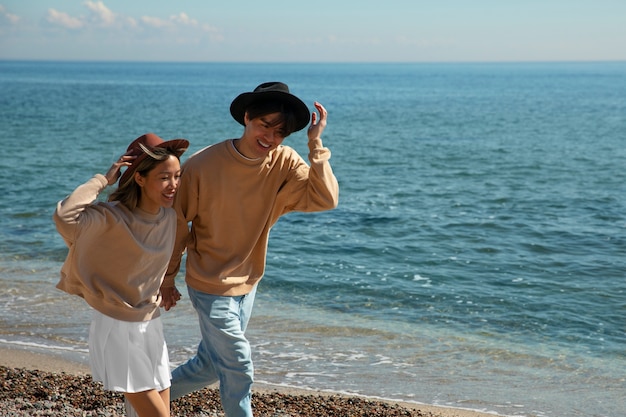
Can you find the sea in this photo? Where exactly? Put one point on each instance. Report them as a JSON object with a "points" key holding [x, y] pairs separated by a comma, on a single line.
{"points": [[476, 259]]}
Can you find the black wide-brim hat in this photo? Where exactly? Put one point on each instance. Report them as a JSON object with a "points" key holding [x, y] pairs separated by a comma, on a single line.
{"points": [[271, 91]]}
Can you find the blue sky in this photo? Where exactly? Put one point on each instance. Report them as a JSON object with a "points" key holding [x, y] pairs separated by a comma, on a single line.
{"points": [[314, 31]]}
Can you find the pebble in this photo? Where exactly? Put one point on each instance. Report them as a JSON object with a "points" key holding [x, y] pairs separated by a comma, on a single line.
{"points": [[37, 393]]}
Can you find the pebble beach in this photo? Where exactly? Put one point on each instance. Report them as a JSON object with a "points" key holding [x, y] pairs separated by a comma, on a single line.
{"points": [[35, 384]]}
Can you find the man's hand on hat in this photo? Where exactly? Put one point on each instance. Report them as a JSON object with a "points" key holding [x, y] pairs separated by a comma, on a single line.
{"points": [[317, 126], [113, 174]]}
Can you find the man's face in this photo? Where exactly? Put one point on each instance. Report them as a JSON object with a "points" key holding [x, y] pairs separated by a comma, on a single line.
{"points": [[261, 135]]}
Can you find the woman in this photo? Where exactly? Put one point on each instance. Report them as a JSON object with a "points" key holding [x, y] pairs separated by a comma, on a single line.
{"points": [[118, 255]]}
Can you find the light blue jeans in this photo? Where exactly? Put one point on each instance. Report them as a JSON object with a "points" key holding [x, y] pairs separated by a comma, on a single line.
{"points": [[223, 353]]}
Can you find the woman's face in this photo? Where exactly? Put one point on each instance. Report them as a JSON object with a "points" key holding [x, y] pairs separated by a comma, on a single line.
{"points": [[159, 186]]}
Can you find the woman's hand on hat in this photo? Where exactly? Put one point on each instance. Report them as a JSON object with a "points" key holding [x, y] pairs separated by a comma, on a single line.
{"points": [[318, 123], [113, 174]]}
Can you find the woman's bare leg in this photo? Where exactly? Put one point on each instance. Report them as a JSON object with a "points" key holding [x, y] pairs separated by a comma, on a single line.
{"points": [[150, 403], [165, 396]]}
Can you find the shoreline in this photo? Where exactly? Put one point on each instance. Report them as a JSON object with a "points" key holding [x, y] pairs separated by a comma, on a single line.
{"points": [[23, 359]]}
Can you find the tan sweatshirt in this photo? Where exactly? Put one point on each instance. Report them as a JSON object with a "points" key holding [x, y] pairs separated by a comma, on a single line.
{"points": [[117, 258], [232, 202]]}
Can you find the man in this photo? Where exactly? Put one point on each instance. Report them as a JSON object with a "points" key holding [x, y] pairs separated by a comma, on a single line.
{"points": [[232, 193]]}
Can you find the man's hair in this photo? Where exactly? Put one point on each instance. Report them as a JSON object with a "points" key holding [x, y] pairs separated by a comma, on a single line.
{"points": [[262, 108]]}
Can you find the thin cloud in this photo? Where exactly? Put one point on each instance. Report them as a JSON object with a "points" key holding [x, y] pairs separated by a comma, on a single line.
{"points": [[130, 22], [179, 20], [100, 16], [64, 20], [100, 13], [183, 19], [8, 17], [155, 22]]}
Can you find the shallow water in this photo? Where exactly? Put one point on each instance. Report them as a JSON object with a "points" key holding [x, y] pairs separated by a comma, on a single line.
{"points": [[476, 258]]}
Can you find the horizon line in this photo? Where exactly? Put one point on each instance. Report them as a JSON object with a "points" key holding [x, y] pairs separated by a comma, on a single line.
{"points": [[139, 61]]}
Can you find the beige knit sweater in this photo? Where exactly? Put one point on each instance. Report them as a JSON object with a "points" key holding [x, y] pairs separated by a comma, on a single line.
{"points": [[232, 203], [117, 258]]}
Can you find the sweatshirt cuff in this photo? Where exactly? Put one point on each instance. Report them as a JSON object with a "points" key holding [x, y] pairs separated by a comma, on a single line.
{"points": [[315, 144], [317, 152], [103, 180]]}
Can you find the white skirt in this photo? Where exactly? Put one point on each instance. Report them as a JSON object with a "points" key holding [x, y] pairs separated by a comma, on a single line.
{"points": [[128, 356]]}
